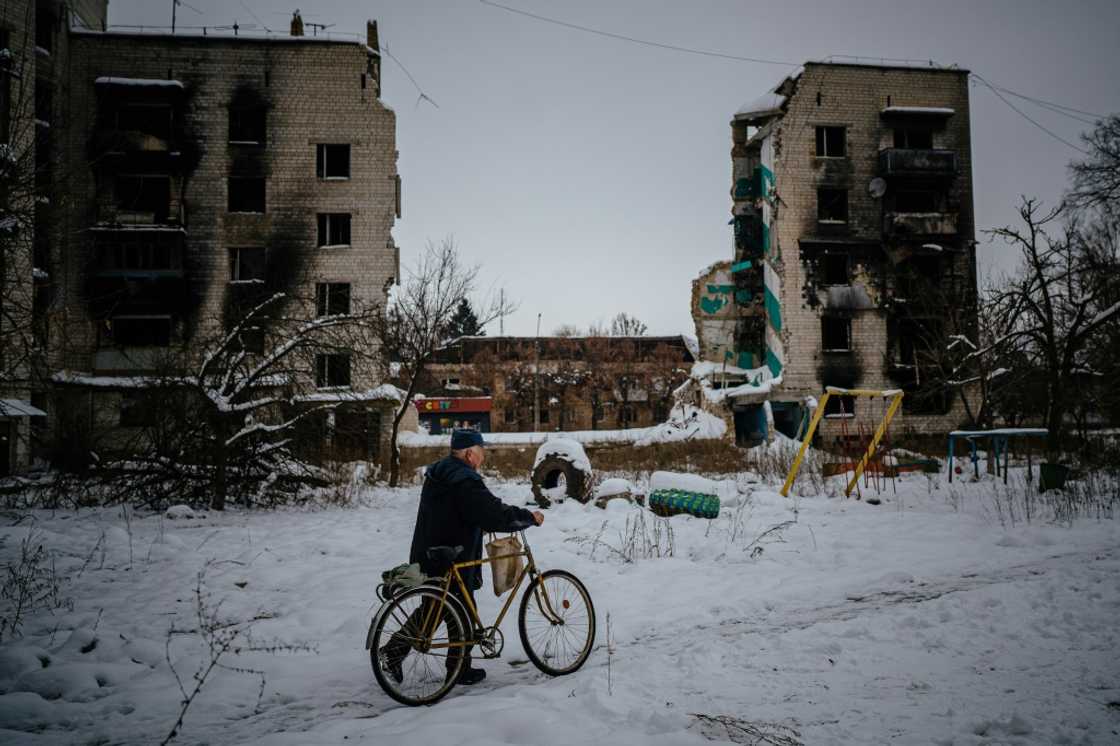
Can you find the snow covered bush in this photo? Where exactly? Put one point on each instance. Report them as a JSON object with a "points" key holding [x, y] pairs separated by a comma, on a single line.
{"points": [[30, 584]]}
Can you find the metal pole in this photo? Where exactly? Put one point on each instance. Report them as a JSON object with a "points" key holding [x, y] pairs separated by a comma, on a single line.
{"points": [[174, 7], [537, 381]]}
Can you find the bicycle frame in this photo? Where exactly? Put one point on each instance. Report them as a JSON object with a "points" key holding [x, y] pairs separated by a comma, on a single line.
{"points": [[431, 620]]}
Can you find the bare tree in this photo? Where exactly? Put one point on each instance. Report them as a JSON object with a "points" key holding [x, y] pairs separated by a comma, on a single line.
{"points": [[229, 427], [566, 330], [414, 326], [1058, 305], [1096, 180], [624, 325]]}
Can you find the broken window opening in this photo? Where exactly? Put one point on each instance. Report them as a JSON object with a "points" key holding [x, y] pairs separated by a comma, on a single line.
{"points": [[5, 87], [141, 254], [625, 415], [332, 161], [45, 22], [248, 264], [544, 416], [334, 229], [832, 142], [150, 119], [143, 199], [251, 339], [136, 331], [246, 194], [248, 126], [913, 138], [332, 299], [916, 200], [832, 205], [840, 405], [332, 370], [139, 409], [835, 268], [836, 334]]}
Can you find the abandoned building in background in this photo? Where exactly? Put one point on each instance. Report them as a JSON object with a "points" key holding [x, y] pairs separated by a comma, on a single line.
{"points": [[535, 384], [854, 253], [183, 175]]}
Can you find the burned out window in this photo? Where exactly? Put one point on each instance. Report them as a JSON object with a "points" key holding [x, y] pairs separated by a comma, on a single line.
{"points": [[248, 126], [45, 23], [332, 161], [140, 254], [625, 415], [150, 119], [509, 416], [834, 268], [831, 142], [143, 199], [916, 200], [832, 205], [836, 334], [251, 339], [334, 229], [332, 370], [44, 100], [913, 138], [137, 331], [248, 264], [246, 194], [544, 416], [332, 299], [840, 405]]}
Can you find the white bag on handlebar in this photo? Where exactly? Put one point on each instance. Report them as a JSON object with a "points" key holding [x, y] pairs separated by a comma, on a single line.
{"points": [[505, 570]]}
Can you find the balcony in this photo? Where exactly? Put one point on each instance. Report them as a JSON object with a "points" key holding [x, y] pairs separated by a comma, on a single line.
{"points": [[907, 162], [901, 224]]}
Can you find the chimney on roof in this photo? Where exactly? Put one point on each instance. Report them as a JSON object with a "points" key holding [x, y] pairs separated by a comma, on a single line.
{"points": [[297, 24], [371, 36]]}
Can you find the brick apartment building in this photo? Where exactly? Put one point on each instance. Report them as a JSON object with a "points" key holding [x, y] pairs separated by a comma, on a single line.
{"points": [[853, 241], [522, 384], [182, 175]]}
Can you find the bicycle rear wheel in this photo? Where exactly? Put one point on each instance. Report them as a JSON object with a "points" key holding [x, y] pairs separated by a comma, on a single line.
{"points": [[557, 622], [417, 646]]}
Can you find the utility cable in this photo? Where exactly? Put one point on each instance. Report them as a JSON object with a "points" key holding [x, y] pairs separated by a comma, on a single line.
{"points": [[1021, 113], [423, 96], [634, 40]]}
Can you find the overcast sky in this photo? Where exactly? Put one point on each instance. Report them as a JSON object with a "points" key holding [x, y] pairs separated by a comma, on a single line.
{"points": [[590, 175]]}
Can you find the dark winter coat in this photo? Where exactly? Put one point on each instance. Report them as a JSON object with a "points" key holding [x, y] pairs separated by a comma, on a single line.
{"points": [[455, 509]]}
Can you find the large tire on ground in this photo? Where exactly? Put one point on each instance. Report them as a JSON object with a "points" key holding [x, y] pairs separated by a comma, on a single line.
{"points": [[672, 502], [547, 476]]}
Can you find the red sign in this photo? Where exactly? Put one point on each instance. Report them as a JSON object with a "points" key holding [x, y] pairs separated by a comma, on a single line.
{"points": [[457, 404]]}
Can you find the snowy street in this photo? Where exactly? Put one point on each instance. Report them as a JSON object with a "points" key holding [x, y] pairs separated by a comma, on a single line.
{"points": [[922, 620]]}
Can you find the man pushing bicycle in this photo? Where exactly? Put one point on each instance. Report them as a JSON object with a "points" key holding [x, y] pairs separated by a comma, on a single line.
{"points": [[455, 509]]}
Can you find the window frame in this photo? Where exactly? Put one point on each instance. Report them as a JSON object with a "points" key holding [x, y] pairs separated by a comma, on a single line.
{"points": [[237, 126], [822, 202], [823, 142], [323, 161], [847, 322], [116, 344], [236, 265], [903, 133], [324, 370], [326, 294], [324, 227], [245, 179], [826, 271]]}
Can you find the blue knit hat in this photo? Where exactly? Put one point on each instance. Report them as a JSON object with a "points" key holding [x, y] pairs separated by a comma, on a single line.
{"points": [[465, 438]]}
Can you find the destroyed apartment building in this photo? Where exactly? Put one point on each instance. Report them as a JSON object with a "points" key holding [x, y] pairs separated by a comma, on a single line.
{"points": [[181, 179], [497, 384], [854, 255]]}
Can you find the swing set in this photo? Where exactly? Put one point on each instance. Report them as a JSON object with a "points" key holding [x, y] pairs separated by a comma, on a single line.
{"points": [[862, 444]]}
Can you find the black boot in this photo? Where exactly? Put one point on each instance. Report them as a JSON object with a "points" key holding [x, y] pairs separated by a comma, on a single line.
{"points": [[470, 676]]}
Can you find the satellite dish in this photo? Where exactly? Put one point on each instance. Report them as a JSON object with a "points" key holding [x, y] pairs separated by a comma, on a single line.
{"points": [[877, 187]]}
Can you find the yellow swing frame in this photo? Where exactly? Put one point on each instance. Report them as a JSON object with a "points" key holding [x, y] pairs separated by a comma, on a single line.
{"points": [[895, 395]]}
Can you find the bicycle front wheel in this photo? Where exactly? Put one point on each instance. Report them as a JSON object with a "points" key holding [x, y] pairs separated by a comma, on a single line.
{"points": [[417, 646], [557, 622]]}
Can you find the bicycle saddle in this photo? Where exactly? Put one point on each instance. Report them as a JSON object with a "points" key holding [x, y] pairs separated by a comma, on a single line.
{"points": [[444, 554]]}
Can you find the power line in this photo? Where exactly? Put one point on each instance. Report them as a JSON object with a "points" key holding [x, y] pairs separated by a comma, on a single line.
{"points": [[423, 96], [1068, 111], [255, 16], [634, 40], [1020, 112]]}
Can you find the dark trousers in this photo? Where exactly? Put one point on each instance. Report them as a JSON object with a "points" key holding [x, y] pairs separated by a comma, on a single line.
{"points": [[398, 645]]}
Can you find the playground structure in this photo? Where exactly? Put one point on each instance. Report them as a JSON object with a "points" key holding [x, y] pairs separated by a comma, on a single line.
{"points": [[999, 449], [867, 441]]}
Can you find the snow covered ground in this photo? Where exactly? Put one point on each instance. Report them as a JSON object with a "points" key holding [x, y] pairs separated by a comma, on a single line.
{"points": [[923, 620]]}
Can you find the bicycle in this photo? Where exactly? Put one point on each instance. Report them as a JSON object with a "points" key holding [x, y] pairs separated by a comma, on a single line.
{"points": [[429, 627]]}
